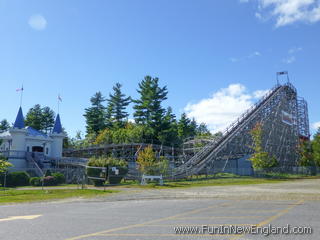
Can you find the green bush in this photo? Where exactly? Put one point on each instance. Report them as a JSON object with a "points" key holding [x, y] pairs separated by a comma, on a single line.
{"points": [[48, 173], [35, 181], [15, 179], [60, 178], [49, 181]]}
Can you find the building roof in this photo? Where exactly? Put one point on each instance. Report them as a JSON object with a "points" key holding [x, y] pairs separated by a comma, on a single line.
{"points": [[19, 123], [57, 128], [35, 133]]}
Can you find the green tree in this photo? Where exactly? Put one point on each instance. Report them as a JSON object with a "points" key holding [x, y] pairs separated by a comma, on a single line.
{"points": [[305, 152], [260, 159], [148, 109], [148, 163], [117, 103], [169, 132], [316, 148], [4, 125], [95, 115], [34, 117], [202, 130], [47, 119], [39, 118], [186, 127], [4, 164]]}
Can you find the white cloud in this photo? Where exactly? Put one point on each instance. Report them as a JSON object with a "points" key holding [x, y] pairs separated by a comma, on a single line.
{"points": [[37, 22], [251, 55], [316, 125], [294, 50], [287, 12], [223, 107], [289, 59], [259, 93], [291, 55]]}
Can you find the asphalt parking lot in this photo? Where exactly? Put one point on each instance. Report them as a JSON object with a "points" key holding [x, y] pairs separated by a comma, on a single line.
{"points": [[119, 217]]}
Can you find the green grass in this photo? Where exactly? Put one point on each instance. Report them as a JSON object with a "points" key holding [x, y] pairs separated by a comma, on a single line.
{"points": [[221, 179], [18, 196], [57, 186]]}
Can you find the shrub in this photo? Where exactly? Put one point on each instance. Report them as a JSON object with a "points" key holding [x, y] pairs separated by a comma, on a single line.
{"points": [[60, 178], [15, 179], [35, 181], [49, 181], [48, 173]]}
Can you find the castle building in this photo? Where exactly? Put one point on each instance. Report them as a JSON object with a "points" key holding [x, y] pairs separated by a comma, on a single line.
{"points": [[24, 145]]}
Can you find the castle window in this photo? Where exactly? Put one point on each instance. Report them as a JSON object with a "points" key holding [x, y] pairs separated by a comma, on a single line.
{"points": [[47, 151], [28, 149]]}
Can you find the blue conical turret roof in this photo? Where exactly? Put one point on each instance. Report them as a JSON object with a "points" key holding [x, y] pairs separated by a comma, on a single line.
{"points": [[19, 123], [57, 128]]}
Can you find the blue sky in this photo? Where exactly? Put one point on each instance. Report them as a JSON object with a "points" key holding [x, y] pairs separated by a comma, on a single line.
{"points": [[205, 51]]}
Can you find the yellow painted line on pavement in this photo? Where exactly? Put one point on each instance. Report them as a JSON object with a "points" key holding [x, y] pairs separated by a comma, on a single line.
{"points": [[150, 222], [29, 217], [274, 217], [214, 217], [279, 214]]}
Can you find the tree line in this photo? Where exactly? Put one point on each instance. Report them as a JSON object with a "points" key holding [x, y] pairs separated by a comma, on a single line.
{"points": [[107, 118], [310, 151]]}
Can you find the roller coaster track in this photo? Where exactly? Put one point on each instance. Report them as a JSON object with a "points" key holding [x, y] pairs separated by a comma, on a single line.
{"points": [[207, 154]]}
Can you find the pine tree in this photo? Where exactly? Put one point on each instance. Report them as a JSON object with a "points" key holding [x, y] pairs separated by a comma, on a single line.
{"points": [[4, 125], [169, 132], [117, 104], [148, 109], [186, 127], [41, 119], [203, 130], [34, 117], [95, 115], [47, 119]]}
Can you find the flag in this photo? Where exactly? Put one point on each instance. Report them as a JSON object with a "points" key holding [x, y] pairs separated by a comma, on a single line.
{"points": [[19, 89], [59, 98], [282, 73]]}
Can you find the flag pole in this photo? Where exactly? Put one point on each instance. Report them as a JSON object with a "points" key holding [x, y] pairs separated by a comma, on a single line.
{"points": [[58, 104], [21, 95], [59, 100]]}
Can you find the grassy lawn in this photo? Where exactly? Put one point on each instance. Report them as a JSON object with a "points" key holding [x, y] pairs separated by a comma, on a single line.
{"points": [[223, 179], [17, 196]]}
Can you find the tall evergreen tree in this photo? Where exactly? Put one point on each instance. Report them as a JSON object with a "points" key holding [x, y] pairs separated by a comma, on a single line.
{"points": [[148, 109], [34, 117], [4, 125], [39, 118], [186, 127], [96, 114], [117, 104], [203, 130], [47, 119], [169, 132]]}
